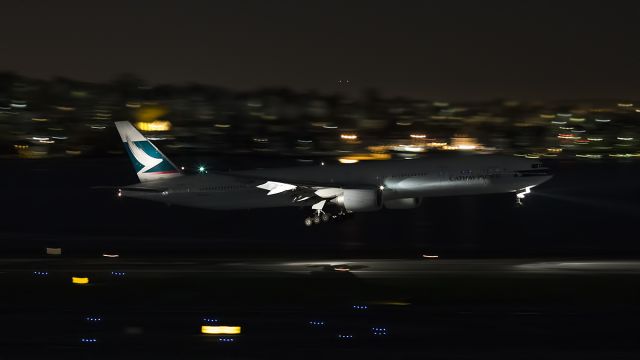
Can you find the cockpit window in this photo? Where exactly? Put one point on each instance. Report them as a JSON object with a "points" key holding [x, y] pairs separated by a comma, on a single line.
{"points": [[537, 166]]}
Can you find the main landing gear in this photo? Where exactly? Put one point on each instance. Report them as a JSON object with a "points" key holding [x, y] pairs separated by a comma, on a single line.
{"points": [[321, 216]]}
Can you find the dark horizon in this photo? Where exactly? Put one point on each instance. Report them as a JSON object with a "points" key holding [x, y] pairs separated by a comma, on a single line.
{"points": [[453, 51]]}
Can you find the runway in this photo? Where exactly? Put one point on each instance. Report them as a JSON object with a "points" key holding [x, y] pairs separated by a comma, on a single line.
{"points": [[366, 268], [368, 307]]}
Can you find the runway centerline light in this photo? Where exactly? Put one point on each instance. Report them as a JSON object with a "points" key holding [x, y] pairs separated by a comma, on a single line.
{"points": [[220, 330]]}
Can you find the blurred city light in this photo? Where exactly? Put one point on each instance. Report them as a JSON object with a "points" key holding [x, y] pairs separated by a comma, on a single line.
{"points": [[209, 120]]}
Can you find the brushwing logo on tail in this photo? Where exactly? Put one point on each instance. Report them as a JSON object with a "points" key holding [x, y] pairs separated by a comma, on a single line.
{"points": [[148, 162]]}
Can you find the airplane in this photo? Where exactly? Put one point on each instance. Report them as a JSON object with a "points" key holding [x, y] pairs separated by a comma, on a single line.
{"points": [[330, 190]]}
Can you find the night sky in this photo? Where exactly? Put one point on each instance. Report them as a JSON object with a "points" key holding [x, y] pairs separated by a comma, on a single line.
{"points": [[432, 49]]}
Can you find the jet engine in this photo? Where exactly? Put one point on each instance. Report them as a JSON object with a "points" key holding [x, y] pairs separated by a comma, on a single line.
{"points": [[404, 203], [355, 200]]}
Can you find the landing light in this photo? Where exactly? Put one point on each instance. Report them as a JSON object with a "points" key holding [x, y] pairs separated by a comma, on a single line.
{"points": [[381, 187], [524, 192], [202, 169]]}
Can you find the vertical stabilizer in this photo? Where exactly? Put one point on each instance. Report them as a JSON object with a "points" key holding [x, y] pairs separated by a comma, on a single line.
{"points": [[149, 163]]}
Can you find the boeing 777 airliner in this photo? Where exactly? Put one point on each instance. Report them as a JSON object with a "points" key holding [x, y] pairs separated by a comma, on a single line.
{"points": [[328, 190]]}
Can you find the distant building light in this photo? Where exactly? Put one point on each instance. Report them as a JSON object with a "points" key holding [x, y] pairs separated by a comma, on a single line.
{"points": [[603, 120], [467, 147], [156, 125], [348, 137], [409, 148], [347, 161], [440, 104], [418, 136], [220, 330], [625, 105]]}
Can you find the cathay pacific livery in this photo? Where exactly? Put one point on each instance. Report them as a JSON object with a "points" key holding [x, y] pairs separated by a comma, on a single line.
{"points": [[328, 191]]}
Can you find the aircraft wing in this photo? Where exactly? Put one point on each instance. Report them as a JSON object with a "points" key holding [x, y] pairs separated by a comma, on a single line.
{"points": [[304, 183], [310, 191]]}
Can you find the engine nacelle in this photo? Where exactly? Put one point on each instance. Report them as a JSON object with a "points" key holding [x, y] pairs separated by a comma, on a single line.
{"points": [[404, 203], [359, 200]]}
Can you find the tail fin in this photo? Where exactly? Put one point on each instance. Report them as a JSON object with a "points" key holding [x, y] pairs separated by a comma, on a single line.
{"points": [[150, 164]]}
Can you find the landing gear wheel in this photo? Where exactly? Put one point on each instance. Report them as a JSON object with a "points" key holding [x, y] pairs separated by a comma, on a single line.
{"points": [[325, 217], [308, 221], [316, 219]]}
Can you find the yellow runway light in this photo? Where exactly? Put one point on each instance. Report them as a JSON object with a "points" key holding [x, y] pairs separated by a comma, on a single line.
{"points": [[220, 330], [80, 280]]}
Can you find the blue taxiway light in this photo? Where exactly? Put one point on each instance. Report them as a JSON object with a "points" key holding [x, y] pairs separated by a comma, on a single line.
{"points": [[379, 331]]}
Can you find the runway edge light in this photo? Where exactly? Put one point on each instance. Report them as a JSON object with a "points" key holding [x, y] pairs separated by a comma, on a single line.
{"points": [[220, 330]]}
